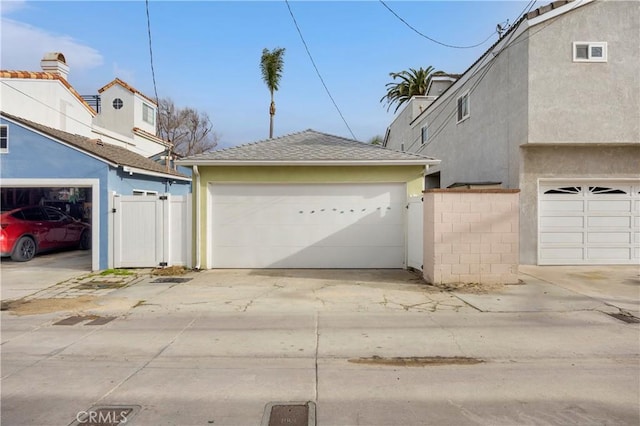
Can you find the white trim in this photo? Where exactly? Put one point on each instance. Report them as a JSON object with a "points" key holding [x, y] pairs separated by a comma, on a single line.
{"points": [[205, 162], [590, 45], [466, 95], [424, 133], [94, 184], [198, 226], [557, 12], [131, 170], [110, 219]]}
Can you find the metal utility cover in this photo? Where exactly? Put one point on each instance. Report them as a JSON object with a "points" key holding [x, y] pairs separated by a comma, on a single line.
{"points": [[75, 320], [290, 414]]}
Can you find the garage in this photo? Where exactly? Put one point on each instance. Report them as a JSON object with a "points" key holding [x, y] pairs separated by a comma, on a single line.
{"points": [[306, 200], [308, 225], [73, 197], [589, 222]]}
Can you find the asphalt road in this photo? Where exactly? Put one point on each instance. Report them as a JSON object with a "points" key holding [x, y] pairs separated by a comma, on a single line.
{"points": [[219, 348]]}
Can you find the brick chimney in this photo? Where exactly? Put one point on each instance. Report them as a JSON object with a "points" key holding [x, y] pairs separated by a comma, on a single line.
{"points": [[55, 63]]}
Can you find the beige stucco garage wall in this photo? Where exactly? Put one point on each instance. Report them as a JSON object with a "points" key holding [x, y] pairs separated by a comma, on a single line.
{"points": [[471, 236], [412, 175], [594, 162]]}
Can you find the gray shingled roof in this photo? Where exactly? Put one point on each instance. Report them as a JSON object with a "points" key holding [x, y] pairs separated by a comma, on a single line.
{"points": [[306, 147], [111, 153]]}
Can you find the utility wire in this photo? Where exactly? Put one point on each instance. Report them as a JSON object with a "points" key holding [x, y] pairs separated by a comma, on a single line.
{"points": [[317, 71], [153, 73], [485, 70], [430, 38], [61, 113]]}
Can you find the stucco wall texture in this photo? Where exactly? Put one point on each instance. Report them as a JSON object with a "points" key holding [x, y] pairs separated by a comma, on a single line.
{"points": [[471, 236]]}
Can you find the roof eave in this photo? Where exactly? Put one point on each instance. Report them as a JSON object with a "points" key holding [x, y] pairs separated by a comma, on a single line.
{"points": [[203, 162], [130, 169]]}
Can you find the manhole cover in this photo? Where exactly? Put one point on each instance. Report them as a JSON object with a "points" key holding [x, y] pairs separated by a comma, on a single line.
{"points": [[290, 414], [171, 280], [101, 321], [629, 319], [112, 415], [75, 319]]}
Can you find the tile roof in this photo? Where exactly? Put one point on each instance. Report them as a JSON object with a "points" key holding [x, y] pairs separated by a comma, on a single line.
{"points": [[128, 87], [111, 153], [305, 147], [41, 75]]}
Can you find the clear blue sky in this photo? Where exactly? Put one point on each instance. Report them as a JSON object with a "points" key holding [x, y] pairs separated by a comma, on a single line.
{"points": [[207, 53]]}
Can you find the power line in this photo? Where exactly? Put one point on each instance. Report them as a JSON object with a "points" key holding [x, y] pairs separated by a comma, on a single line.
{"points": [[485, 70], [317, 71], [430, 38], [153, 73]]}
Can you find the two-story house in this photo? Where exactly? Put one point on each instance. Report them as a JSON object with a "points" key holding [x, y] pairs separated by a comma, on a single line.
{"points": [[552, 108], [120, 114]]}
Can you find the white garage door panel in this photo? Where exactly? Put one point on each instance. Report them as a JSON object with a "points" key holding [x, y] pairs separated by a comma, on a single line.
{"points": [[307, 226], [589, 223], [609, 237], [357, 235], [600, 253], [562, 222], [563, 253], [562, 206], [562, 237]]}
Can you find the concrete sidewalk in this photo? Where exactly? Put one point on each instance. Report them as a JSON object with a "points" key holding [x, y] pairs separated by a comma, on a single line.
{"points": [[219, 348]]}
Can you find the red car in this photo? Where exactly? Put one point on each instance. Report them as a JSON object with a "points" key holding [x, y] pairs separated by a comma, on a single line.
{"points": [[34, 229]]}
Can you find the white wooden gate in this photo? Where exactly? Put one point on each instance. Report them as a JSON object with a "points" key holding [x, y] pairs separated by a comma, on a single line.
{"points": [[151, 231], [415, 234]]}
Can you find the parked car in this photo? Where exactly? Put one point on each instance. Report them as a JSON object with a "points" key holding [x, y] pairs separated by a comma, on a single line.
{"points": [[27, 231]]}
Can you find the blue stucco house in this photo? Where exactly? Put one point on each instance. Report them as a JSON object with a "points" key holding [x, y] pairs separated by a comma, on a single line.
{"points": [[40, 164]]}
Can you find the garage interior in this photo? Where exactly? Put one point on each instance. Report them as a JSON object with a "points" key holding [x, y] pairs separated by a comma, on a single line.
{"points": [[74, 201]]}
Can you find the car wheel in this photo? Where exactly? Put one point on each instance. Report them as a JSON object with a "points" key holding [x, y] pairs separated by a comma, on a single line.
{"points": [[85, 240], [24, 250]]}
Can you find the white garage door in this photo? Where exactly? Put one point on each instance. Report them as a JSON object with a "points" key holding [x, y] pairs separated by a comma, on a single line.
{"points": [[589, 223], [307, 225]]}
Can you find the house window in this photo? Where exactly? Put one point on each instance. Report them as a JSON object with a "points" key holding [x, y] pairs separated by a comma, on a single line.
{"points": [[589, 51], [143, 192], [148, 114], [463, 107], [424, 134], [4, 139], [117, 103]]}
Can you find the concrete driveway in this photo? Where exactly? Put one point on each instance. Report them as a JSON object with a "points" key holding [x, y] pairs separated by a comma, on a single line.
{"points": [[20, 279], [365, 347]]}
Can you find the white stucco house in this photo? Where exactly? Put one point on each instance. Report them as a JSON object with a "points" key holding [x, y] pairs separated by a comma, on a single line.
{"points": [[552, 109], [119, 114]]}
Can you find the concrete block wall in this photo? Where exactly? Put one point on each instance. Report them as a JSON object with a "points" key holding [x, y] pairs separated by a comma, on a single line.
{"points": [[471, 236]]}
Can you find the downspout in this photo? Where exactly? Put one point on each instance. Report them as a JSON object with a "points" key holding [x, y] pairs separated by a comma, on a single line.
{"points": [[197, 195]]}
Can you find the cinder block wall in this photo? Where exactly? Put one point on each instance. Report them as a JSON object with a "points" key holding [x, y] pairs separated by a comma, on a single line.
{"points": [[471, 236]]}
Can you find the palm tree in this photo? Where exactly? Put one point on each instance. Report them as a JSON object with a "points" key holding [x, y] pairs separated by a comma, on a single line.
{"points": [[413, 82], [271, 65]]}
